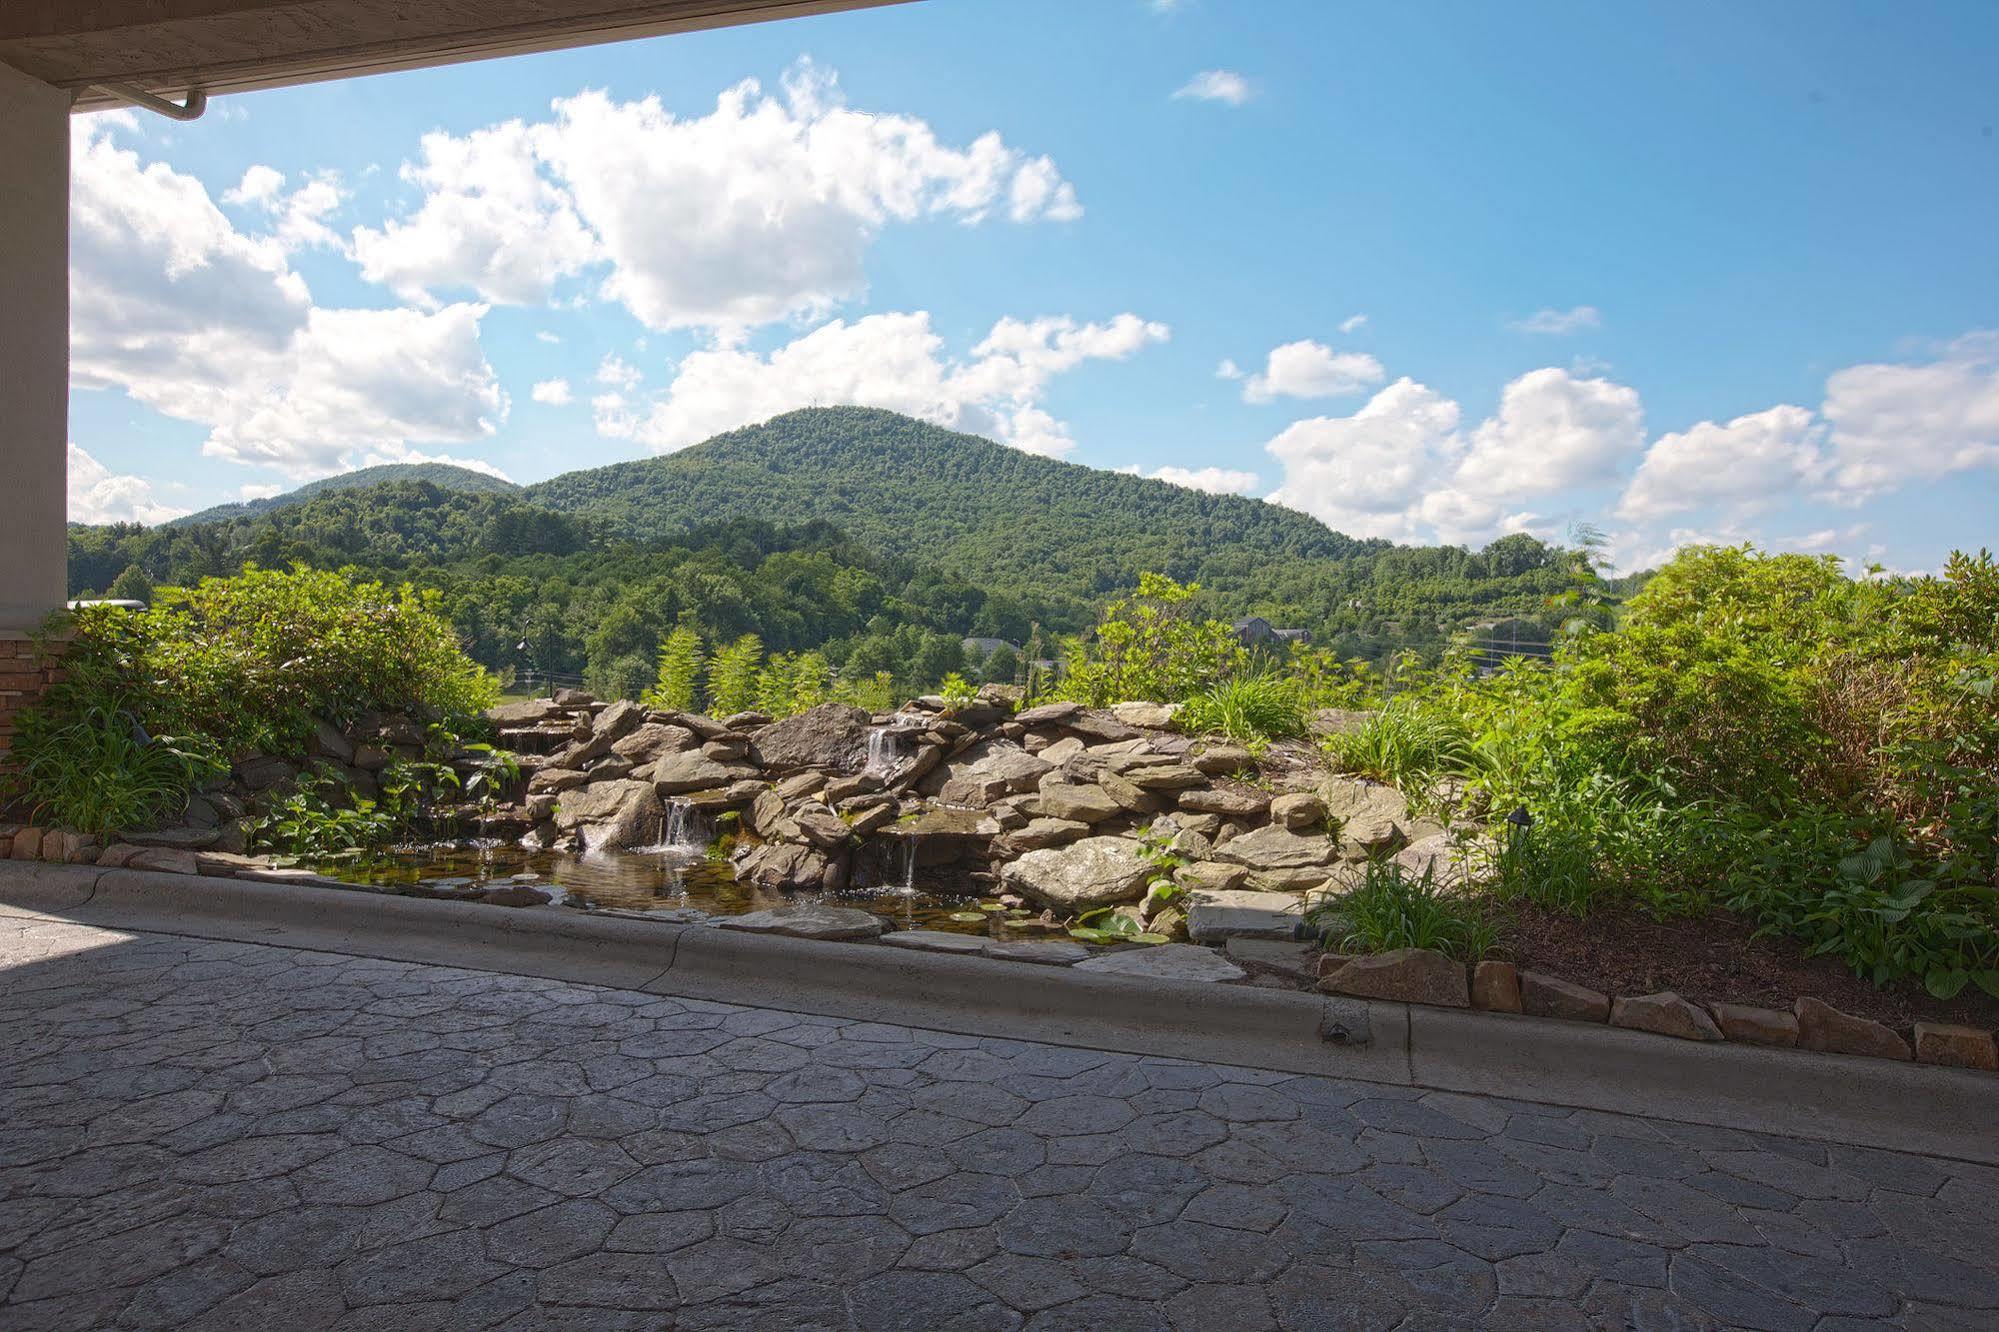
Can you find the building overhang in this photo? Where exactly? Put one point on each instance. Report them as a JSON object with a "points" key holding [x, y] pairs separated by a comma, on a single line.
{"points": [[168, 47]]}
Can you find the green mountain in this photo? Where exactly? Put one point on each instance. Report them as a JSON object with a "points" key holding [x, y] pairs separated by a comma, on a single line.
{"points": [[1055, 534], [907, 487], [444, 476]]}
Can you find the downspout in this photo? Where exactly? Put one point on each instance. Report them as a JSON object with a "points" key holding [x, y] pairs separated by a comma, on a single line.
{"points": [[197, 101]]}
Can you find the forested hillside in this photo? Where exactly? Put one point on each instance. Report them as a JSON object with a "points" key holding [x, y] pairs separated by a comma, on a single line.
{"points": [[443, 475], [874, 538], [1071, 535]]}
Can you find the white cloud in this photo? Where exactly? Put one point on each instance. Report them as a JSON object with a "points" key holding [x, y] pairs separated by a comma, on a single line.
{"points": [[1352, 323], [298, 218], [1892, 424], [543, 335], [1750, 463], [891, 360], [1554, 432], [253, 490], [260, 184], [1559, 322], [1216, 85], [1365, 474], [1228, 369], [1308, 369], [553, 392], [97, 495], [193, 318], [759, 211], [1402, 468], [615, 371], [490, 223], [1214, 480]]}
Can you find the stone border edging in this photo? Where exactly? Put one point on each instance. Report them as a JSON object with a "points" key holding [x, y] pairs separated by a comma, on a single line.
{"points": [[1867, 1102]]}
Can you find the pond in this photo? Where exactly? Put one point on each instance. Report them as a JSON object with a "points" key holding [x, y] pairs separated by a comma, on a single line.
{"points": [[671, 884]]}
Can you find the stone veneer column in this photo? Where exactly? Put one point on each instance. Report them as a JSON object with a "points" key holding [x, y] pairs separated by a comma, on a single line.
{"points": [[34, 382]]}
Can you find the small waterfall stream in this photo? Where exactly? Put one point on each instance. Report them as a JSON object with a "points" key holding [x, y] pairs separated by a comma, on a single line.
{"points": [[884, 751], [682, 832]]}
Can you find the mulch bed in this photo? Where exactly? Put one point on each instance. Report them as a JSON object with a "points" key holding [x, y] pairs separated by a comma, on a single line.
{"points": [[1712, 959]]}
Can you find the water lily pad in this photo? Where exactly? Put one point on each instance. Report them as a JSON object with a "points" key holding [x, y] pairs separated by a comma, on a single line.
{"points": [[968, 917], [1150, 938], [1089, 934], [991, 906]]}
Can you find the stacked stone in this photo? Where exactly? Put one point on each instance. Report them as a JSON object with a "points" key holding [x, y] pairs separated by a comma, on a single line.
{"points": [[1423, 976], [27, 667]]}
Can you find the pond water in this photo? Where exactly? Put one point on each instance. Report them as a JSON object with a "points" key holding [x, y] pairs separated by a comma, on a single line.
{"points": [[670, 884]]}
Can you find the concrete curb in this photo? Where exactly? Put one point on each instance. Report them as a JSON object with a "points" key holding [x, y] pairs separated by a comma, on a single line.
{"points": [[1866, 1102]]}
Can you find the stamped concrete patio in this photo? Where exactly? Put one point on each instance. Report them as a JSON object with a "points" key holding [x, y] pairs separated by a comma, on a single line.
{"points": [[225, 1135]]}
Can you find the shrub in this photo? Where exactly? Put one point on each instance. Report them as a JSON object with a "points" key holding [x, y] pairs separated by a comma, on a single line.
{"points": [[1146, 646], [233, 665], [1411, 741]]}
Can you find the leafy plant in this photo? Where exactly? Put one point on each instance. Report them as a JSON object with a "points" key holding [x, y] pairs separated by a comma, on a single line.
{"points": [[1410, 742], [680, 663], [99, 772], [733, 676], [1149, 646], [957, 692]]}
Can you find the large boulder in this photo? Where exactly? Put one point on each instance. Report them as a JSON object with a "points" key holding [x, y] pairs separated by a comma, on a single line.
{"points": [[608, 816], [832, 736], [1081, 802], [787, 866], [1371, 817], [691, 770], [653, 739], [1273, 848], [1094, 872]]}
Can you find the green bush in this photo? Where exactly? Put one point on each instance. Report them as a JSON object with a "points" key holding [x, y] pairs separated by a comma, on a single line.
{"points": [[680, 661], [1148, 647], [231, 666]]}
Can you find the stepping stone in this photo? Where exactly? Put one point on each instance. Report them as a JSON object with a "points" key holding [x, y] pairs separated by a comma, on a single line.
{"points": [[809, 920], [1188, 962], [1215, 915], [936, 941], [1048, 952]]}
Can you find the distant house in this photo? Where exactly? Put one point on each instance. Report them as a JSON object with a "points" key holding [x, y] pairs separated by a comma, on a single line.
{"points": [[978, 649], [1255, 631]]}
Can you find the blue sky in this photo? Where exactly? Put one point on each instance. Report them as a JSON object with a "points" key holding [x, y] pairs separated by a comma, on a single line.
{"points": [[1428, 271]]}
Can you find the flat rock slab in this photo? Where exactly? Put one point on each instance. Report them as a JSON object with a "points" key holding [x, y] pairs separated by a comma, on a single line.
{"points": [[1214, 916], [1271, 847], [1187, 962], [1299, 961], [1048, 952], [936, 941], [1551, 996], [809, 920]]}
